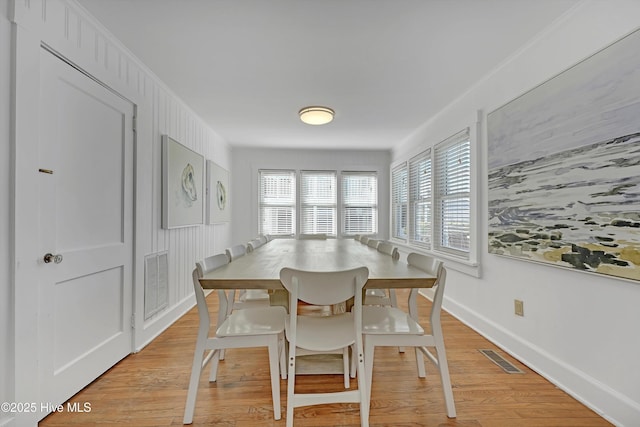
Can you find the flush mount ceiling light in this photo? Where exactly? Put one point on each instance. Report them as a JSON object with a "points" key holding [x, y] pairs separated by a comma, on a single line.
{"points": [[316, 115]]}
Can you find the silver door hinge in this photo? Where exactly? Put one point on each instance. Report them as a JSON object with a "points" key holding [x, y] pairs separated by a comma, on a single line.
{"points": [[135, 123], [133, 321]]}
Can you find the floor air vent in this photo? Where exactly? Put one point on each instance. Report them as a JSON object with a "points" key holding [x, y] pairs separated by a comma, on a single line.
{"points": [[500, 361]]}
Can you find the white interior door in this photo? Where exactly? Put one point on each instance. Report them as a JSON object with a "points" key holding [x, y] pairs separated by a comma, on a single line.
{"points": [[86, 215]]}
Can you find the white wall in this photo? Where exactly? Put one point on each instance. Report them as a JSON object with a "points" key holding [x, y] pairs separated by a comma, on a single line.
{"points": [[69, 30], [244, 179], [579, 330], [6, 295]]}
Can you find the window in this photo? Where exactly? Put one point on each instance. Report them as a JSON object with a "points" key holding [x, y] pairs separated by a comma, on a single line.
{"points": [[399, 201], [277, 202], [318, 197], [453, 194], [312, 208], [436, 187], [359, 203], [420, 203]]}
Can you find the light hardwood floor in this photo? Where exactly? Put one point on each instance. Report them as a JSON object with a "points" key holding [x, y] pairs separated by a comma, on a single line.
{"points": [[149, 389]]}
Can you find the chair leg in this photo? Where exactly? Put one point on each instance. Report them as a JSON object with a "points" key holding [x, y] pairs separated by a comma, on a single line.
{"points": [[363, 389], [192, 394], [291, 385], [443, 367], [353, 367], [282, 348], [369, 350], [422, 373], [346, 367], [274, 367], [223, 308], [215, 361], [231, 299]]}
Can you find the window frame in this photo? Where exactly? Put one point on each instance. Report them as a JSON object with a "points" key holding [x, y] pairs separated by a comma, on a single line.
{"points": [[399, 202], [452, 184], [305, 204], [298, 204], [420, 195], [361, 205], [261, 204], [464, 261]]}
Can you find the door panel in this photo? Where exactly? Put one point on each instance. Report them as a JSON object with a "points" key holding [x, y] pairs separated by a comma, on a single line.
{"points": [[86, 216], [92, 299], [90, 153]]}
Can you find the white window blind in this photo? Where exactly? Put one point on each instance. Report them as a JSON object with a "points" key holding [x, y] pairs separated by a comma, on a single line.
{"points": [[452, 194], [359, 203], [420, 202], [399, 183], [277, 202], [318, 199]]}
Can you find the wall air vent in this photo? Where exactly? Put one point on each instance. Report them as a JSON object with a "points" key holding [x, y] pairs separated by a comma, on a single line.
{"points": [[156, 286]]}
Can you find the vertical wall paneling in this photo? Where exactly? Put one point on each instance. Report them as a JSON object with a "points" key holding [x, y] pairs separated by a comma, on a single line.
{"points": [[6, 297], [69, 30]]}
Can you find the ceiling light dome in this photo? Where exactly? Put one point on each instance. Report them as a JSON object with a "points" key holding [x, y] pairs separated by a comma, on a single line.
{"points": [[316, 115]]}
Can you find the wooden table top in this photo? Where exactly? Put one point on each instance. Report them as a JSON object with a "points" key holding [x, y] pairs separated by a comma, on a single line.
{"points": [[260, 269]]}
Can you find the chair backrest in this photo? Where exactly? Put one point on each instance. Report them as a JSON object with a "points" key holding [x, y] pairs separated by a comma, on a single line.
{"points": [[389, 249], [264, 239], [357, 237], [324, 287], [236, 251], [202, 267], [373, 243], [364, 240], [254, 244], [436, 267], [211, 263], [315, 236]]}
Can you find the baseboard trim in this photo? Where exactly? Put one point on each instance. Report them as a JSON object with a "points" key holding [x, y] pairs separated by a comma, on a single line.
{"points": [[160, 323], [611, 405]]}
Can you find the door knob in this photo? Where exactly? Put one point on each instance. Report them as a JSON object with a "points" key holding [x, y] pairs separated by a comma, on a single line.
{"points": [[52, 258]]}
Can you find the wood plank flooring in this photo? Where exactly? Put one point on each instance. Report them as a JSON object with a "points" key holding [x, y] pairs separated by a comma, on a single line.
{"points": [[149, 389]]}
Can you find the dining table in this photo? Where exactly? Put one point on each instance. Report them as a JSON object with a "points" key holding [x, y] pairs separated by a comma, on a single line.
{"points": [[260, 269]]}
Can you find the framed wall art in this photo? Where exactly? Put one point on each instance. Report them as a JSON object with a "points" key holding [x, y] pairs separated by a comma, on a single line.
{"points": [[218, 208], [564, 168], [182, 185]]}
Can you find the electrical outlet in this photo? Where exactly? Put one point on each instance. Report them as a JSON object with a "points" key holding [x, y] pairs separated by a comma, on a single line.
{"points": [[519, 307]]}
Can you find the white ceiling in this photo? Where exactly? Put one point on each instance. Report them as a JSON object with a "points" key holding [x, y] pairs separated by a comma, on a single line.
{"points": [[385, 66]]}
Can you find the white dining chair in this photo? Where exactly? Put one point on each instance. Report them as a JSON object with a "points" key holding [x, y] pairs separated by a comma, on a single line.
{"points": [[389, 249], [247, 298], [373, 243], [364, 240], [390, 326], [382, 296], [325, 333], [236, 251], [259, 327], [254, 244], [227, 301], [211, 263]]}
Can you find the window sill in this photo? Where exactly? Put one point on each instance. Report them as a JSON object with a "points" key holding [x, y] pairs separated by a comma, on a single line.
{"points": [[471, 268]]}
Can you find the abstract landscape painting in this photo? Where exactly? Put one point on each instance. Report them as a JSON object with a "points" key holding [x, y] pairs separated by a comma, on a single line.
{"points": [[564, 168]]}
